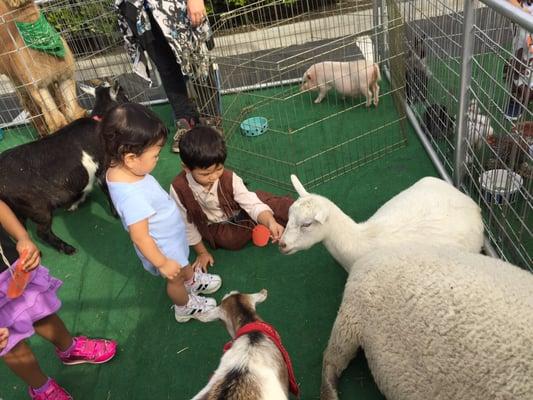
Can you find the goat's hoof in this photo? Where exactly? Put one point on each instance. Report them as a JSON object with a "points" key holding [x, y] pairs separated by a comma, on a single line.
{"points": [[67, 249]]}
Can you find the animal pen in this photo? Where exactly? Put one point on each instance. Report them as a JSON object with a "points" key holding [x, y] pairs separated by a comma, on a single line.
{"points": [[435, 56], [462, 114]]}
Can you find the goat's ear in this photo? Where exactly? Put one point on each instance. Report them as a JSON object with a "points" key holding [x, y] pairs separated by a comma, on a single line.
{"points": [[211, 315], [259, 297], [88, 89], [298, 186], [113, 90], [321, 216]]}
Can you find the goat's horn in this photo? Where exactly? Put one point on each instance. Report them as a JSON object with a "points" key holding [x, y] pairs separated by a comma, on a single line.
{"points": [[298, 186]]}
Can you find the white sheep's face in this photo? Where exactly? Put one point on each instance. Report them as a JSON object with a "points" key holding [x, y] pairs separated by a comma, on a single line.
{"points": [[305, 227]]}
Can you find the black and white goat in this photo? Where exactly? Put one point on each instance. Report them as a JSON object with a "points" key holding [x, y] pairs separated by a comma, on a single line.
{"points": [[255, 366], [59, 170]]}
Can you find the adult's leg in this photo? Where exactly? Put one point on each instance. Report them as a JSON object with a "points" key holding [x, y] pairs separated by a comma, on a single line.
{"points": [[172, 78]]}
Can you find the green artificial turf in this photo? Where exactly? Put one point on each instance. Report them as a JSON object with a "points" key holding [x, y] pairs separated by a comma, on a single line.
{"points": [[317, 142]]}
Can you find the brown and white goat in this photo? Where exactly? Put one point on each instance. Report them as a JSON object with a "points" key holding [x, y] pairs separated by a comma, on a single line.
{"points": [[44, 82], [255, 366]]}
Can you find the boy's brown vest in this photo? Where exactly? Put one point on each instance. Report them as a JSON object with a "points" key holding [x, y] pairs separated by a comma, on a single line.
{"points": [[195, 214]]}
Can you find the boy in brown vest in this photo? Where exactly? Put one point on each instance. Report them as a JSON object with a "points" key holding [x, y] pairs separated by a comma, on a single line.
{"points": [[215, 203]]}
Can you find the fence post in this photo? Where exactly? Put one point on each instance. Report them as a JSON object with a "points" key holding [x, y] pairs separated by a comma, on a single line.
{"points": [[383, 42], [464, 91], [375, 38]]}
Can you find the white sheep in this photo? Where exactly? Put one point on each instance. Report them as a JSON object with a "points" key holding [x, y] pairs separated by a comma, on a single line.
{"points": [[256, 366], [429, 212], [436, 324]]}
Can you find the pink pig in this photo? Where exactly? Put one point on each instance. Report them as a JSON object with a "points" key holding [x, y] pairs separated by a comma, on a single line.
{"points": [[348, 78]]}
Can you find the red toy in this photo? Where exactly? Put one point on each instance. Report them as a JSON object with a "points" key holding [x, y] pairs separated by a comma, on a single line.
{"points": [[19, 278], [260, 235]]}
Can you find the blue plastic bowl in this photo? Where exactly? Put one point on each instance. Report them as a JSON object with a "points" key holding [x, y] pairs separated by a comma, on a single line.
{"points": [[254, 126]]}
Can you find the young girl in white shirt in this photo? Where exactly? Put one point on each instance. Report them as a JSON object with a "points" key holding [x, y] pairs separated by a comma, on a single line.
{"points": [[133, 137]]}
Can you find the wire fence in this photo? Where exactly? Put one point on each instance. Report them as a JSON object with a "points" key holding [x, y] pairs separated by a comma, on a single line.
{"points": [[308, 71], [91, 36], [463, 70], [469, 91]]}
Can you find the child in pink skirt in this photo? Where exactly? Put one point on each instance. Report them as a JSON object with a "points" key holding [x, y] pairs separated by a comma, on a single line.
{"points": [[35, 311]]}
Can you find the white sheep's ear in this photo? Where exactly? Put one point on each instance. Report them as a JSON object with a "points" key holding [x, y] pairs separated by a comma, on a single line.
{"points": [[298, 186], [257, 298], [321, 216], [88, 89], [211, 315]]}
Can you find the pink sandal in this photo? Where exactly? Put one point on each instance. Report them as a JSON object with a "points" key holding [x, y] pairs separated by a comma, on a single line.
{"points": [[92, 351]]}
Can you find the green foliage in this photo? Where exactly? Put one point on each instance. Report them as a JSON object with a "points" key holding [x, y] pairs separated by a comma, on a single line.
{"points": [[238, 3], [83, 18], [87, 18]]}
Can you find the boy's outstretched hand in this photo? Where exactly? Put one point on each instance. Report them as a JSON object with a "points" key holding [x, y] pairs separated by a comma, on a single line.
{"points": [[276, 230], [4, 334], [203, 261]]}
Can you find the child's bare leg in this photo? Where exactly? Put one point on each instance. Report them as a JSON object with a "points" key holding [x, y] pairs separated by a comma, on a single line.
{"points": [[176, 289], [23, 363], [53, 329], [187, 273]]}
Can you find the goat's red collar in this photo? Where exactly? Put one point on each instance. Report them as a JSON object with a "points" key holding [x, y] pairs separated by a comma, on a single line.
{"points": [[272, 334], [97, 118]]}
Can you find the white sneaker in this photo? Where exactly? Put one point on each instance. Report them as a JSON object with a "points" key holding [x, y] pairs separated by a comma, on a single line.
{"points": [[196, 305], [203, 283]]}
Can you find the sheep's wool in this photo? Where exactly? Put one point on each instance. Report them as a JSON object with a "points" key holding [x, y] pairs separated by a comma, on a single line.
{"points": [[437, 324]]}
